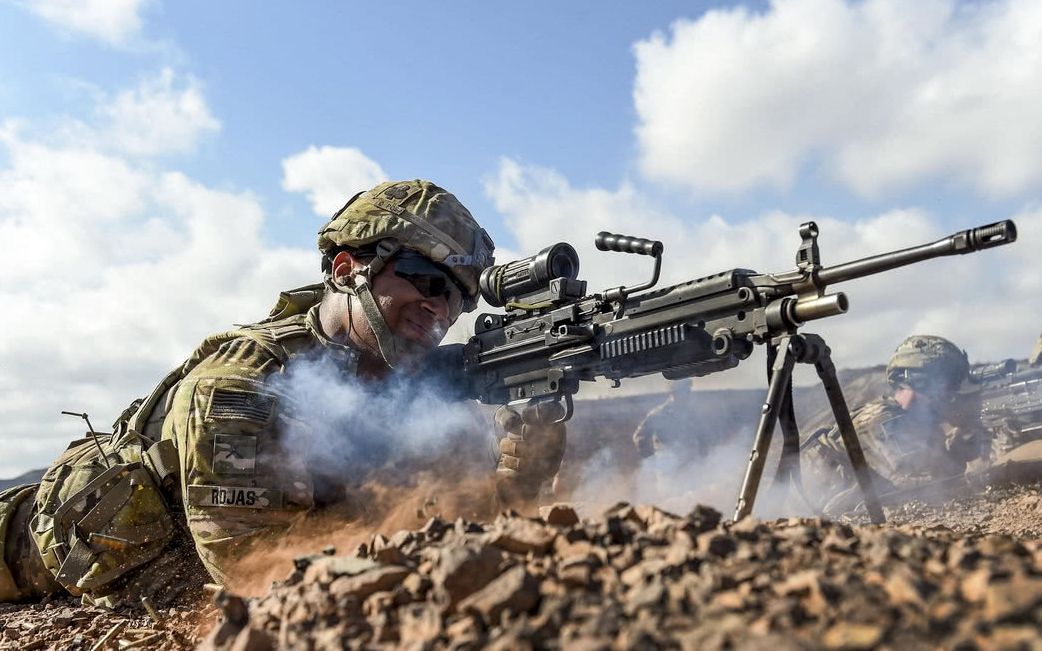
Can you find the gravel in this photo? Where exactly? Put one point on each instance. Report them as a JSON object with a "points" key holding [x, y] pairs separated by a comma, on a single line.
{"points": [[639, 577]]}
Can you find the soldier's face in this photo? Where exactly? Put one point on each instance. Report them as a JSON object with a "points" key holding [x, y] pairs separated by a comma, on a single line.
{"points": [[417, 322], [935, 406]]}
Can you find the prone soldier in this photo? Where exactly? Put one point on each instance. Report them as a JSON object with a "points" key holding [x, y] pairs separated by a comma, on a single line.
{"points": [[195, 474], [913, 436]]}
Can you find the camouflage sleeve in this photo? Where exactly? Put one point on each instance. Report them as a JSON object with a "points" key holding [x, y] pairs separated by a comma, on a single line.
{"points": [[828, 469], [830, 461], [238, 483], [903, 450], [883, 456]]}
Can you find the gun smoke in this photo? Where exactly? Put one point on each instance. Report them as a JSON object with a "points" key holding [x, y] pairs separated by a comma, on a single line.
{"points": [[352, 429], [385, 456]]}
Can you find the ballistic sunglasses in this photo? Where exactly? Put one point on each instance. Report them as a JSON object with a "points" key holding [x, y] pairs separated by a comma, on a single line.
{"points": [[431, 280]]}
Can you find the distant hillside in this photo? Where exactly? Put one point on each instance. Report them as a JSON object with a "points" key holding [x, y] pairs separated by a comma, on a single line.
{"points": [[30, 477]]}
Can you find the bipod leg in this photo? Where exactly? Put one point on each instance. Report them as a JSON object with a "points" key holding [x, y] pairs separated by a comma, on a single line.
{"points": [[827, 372], [780, 378], [789, 463], [789, 476]]}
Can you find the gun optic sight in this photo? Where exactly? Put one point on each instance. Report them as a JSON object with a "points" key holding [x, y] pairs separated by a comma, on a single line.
{"points": [[508, 282]]}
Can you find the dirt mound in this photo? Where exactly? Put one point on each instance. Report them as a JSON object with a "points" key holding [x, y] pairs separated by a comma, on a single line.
{"points": [[631, 577], [641, 577]]}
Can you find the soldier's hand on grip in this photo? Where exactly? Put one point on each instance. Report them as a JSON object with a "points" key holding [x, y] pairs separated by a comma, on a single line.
{"points": [[530, 453]]}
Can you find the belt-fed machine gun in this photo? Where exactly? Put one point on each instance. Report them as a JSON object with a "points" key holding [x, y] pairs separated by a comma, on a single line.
{"points": [[554, 334]]}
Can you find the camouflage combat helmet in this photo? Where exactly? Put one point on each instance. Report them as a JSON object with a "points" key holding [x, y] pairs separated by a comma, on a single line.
{"points": [[418, 215], [927, 363], [405, 215]]}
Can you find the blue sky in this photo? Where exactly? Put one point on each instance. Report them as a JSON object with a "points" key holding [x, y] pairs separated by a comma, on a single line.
{"points": [[164, 166], [440, 90], [428, 89]]}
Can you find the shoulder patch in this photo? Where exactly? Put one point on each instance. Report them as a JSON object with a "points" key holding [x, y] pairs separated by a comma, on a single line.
{"points": [[234, 455], [239, 404]]}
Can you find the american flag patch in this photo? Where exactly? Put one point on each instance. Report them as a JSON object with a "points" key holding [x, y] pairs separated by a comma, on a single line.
{"points": [[231, 404]]}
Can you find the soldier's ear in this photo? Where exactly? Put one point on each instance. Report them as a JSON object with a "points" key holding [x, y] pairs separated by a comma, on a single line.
{"points": [[344, 264]]}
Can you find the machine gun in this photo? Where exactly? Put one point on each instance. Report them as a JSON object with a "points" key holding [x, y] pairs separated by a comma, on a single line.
{"points": [[1010, 398], [555, 335]]}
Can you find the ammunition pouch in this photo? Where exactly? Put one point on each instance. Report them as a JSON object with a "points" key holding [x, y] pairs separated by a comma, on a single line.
{"points": [[101, 515]]}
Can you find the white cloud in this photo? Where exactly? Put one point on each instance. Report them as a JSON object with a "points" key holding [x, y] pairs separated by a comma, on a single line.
{"points": [[330, 175], [164, 114], [116, 22], [113, 274], [881, 94], [989, 302]]}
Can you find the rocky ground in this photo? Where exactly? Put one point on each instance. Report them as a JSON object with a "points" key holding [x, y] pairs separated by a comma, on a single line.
{"points": [[65, 624], [1014, 511], [632, 577], [638, 577], [959, 573]]}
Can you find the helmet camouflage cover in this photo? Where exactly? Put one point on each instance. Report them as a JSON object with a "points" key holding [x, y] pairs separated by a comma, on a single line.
{"points": [[420, 216], [927, 363]]}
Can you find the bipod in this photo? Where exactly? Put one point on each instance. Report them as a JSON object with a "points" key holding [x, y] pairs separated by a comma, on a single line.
{"points": [[782, 355]]}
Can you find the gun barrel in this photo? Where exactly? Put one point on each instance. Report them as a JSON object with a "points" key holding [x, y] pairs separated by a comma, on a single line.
{"points": [[820, 308], [968, 241]]}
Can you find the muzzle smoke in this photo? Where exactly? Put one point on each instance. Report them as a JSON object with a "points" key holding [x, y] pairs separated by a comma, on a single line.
{"points": [[357, 431], [702, 445], [384, 456]]}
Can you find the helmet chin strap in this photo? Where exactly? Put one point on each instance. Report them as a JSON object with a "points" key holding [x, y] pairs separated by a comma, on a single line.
{"points": [[360, 285]]}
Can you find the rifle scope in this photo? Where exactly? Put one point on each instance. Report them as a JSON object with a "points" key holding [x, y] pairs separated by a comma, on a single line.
{"points": [[505, 282], [993, 371]]}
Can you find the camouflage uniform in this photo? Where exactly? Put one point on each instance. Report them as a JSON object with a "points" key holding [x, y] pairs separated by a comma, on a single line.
{"points": [[902, 449], [906, 448], [201, 462]]}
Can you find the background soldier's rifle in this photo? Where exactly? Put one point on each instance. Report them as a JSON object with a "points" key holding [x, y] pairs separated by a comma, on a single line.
{"points": [[555, 335], [1010, 397]]}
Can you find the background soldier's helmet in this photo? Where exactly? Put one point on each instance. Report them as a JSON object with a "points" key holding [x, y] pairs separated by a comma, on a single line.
{"points": [[929, 364], [420, 216]]}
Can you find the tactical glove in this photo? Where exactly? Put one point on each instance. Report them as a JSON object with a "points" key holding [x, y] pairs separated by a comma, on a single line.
{"points": [[965, 444], [530, 454]]}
